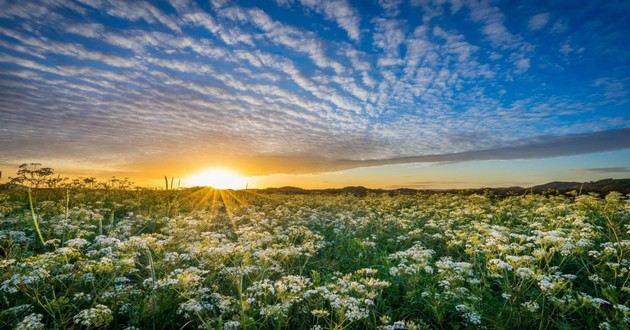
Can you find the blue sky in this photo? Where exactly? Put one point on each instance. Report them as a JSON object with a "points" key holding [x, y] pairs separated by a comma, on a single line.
{"points": [[305, 87]]}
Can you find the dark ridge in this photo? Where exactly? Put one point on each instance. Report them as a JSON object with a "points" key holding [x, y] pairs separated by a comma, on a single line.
{"points": [[558, 185], [286, 190], [601, 187]]}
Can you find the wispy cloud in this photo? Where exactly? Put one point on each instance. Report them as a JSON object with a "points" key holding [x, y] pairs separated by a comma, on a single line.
{"points": [[613, 88], [134, 11], [339, 11], [539, 147], [608, 169], [538, 21], [391, 7]]}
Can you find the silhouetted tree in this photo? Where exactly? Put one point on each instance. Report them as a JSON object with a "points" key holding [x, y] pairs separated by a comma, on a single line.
{"points": [[32, 175]]}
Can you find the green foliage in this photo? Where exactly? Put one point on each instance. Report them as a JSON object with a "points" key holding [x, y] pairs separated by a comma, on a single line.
{"points": [[202, 258]]}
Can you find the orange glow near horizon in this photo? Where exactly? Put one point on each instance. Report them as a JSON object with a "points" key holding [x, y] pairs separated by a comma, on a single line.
{"points": [[219, 178]]}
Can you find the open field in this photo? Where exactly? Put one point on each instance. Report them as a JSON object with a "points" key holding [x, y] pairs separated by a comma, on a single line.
{"points": [[314, 164], [203, 258]]}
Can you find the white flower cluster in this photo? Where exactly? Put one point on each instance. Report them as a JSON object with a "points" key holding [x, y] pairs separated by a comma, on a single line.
{"points": [[97, 316], [31, 322]]}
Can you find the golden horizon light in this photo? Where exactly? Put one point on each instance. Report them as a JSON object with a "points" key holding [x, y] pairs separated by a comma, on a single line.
{"points": [[218, 178]]}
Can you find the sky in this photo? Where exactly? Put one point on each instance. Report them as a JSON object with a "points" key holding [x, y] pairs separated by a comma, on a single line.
{"points": [[313, 93]]}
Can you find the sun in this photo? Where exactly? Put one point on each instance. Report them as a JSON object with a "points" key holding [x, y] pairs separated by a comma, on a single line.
{"points": [[219, 178]]}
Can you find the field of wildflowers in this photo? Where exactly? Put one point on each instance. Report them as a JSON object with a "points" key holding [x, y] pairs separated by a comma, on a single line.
{"points": [[201, 258]]}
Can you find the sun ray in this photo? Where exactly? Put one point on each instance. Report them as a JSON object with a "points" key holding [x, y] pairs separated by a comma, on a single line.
{"points": [[239, 201], [200, 198], [228, 211]]}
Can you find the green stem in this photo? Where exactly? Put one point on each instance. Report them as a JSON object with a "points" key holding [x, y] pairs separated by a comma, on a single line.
{"points": [[34, 216], [153, 280], [100, 225], [65, 221]]}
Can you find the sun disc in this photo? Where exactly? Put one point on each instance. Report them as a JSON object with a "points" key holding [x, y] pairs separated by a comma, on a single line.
{"points": [[219, 178]]}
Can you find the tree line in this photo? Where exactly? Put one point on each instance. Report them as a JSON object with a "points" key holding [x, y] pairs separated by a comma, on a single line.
{"points": [[35, 176]]}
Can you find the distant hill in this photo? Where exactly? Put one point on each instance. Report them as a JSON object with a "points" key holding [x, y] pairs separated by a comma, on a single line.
{"points": [[286, 190], [601, 187], [355, 190], [557, 185]]}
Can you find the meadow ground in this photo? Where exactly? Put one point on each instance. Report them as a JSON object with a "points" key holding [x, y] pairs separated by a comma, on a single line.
{"points": [[201, 258]]}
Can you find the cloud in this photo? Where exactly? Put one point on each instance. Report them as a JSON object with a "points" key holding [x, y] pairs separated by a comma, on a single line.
{"points": [[192, 14], [613, 88], [391, 7], [539, 147], [538, 21], [522, 65], [134, 11], [493, 23], [339, 11], [559, 27], [566, 49], [388, 35], [77, 51], [608, 169]]}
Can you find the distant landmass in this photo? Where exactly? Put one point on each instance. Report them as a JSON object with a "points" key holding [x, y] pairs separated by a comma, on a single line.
{"points": [[600, 187]]}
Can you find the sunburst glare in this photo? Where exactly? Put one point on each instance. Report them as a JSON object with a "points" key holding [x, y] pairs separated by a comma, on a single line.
{"points": [[219, 178]]}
